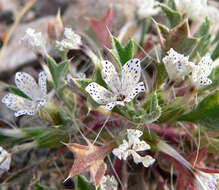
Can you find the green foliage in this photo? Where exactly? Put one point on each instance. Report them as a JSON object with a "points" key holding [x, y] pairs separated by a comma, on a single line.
{"points": [[152, 110], [206, 113], [203, 44], [121, 54], [173, 16], [160, 75], [215, 53], [81, 83], [58, 73], [17, 91], [38, 186], [201, 48], [204, 28], [172, 111], [47, 137], [82, 183], [172, 4]]}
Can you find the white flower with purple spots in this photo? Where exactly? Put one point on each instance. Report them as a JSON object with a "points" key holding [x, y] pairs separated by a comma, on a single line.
{"points": [[177, 65], [206, 181], [132, 146], [123, 89], [37, 94], [201, 71]]}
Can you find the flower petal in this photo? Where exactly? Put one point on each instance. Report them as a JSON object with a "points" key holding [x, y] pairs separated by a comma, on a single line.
{"points": [[206, 65], [111, 105], [99, 93], [204, 81], [131, 73], [147, 161], [135, 91], [141, 146], [21, 105], [27, 84], [111, 76], [42, 83]]}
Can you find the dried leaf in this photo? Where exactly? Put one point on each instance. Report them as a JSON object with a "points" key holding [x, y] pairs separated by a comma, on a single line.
{"points": [[101, 27], [89, 159], [178, 38]]}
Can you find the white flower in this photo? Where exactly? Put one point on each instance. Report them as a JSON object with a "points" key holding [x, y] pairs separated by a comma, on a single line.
{"points": [[123, 89], [36, 93], [131, 147], [147, 8], [35, 41], [196, 10], [108, 183], [177, 65], [213, 14], [5, 160], [71, 40], [206, 181], [201, 72]]}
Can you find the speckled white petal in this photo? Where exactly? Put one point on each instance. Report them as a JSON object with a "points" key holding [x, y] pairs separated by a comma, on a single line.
{"points": [[111, 105], [135, 91], [22, 106], [99, 93], [147, 161], [5, 160], [131, 73], [27, 84], [42, 83], [110, 76]]}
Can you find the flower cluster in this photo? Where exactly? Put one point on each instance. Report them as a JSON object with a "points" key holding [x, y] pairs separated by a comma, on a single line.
{"points": [[108, 183], [71, 40], [147, 8], [123, 89], [132, 146], [35, 41], [36, 93], [179, 67], [195, 10]]}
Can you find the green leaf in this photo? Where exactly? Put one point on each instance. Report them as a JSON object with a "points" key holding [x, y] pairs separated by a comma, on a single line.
{"points": [[47, 137], [206, 113], [204, 28], [38, 186], [216, 38], [201, 48], [58, 72], [215, 53], [97, 76], [172, 4], [91, 104], [17, 91], [152, 110], [173, 16], [161, 75], [172, 111], [121, 54], [83, 184], [82, 83]]}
